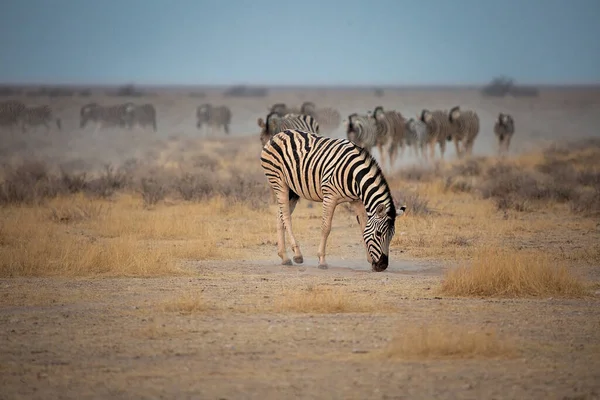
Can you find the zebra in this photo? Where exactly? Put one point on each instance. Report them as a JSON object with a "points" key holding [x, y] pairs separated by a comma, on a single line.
{"points": [[39, 115], [465, 129], [104, 116], [417, 131], [390, 130], [141, 115], [331, 171], [329, 119], [213, 116], [439, 129], [275, 124], [280, 109], [504, 129], [10, 112], [362, 131]]}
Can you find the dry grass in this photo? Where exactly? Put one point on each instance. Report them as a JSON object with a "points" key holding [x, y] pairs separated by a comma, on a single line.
{"points": [[496, 272], [322, 300], [442, 341], [188, 303]]}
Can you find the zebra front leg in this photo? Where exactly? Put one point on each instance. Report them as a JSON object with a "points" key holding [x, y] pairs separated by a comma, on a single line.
{"points": [[329, 205], [361, 216], [457, 146]]}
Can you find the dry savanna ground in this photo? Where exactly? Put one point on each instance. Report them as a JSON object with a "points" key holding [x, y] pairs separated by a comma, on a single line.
{"points": [[157, 275]]}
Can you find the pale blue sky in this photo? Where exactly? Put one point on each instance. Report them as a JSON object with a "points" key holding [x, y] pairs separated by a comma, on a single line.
{"points": [[314, 42]]}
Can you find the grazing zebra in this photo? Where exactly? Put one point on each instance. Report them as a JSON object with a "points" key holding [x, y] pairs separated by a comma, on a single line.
{"points": [[275, 124], [142, 115], [104, 116], [465, 129], [417, 131], [439, 129], [39, 115], [504, 129], [362, 130], [10, 112], [329, 119], [390, 130], [332, 171], [213, 116]]}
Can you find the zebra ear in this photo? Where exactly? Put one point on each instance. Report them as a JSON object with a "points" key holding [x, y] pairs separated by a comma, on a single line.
{"points": [[400, 211], [261, 123]]}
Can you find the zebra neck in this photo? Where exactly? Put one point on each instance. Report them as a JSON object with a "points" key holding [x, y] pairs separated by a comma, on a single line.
{"points": [[375, 192]]}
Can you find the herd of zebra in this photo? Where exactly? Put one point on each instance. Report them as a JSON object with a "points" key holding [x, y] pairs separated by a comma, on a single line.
{"points": [[391, 132]]}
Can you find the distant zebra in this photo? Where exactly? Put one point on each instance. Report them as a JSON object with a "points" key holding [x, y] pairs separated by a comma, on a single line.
{"points": [[362, 131], [417, 131], [275, 124], [465, 129], [213, 117], [104, 116], [10, 113], [390, 132], [142, 115], [280, 109], [329, 119], [439, 129], [332, 171], [36, 116], [504, 129]]}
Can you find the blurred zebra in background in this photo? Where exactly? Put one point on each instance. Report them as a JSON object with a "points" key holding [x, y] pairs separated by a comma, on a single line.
{"points": [[390, 133], [104, 116], [275, 124], [281, 109], [211, 116], [10, 113], [36, 116], [504, 129], [439, 130], [141, 115], [417, 131], [329, 118], [465, 126], [362, 131]]}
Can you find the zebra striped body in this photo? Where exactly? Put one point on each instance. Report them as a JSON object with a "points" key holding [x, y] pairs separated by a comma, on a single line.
{"points": [[362, 130], [275, 124], [213, 117], [439, 129], [504, 129], [332, 171], [104, 116], [281, 109], [10, 112], [465, 129], [417, 131], [36, 116], [390, 132], [141, 115]]}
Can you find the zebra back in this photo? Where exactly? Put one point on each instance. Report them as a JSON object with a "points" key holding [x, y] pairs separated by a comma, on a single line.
{"points": [[38, 115], [113, 115], [465, 123], [142, 115], [438, 125]]}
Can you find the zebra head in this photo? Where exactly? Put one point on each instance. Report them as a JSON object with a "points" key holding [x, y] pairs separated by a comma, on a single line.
{"points": [[308, 108], [379, 114], [269, 127], [350, 128], [87, 113], [426, 116], [378, 234], [279, 109], [454, 114]]}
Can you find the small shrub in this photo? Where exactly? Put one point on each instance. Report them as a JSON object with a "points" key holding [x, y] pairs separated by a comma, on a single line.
{"points": [[415, 203], [152, 191]]}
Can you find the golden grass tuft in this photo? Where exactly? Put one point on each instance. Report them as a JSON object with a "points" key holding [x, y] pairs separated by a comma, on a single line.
{"points": [[501, 273], [321, 300], [448, 341], [188, 303]]}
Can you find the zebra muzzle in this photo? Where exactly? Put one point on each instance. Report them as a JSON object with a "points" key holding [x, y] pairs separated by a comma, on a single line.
{"points": [[381, 264]]}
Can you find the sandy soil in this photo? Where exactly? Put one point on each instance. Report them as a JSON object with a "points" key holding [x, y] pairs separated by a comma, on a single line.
{"points": [[118, 338]]}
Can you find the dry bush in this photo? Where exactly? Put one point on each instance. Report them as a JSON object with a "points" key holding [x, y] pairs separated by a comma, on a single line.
{"points": [[109, 182], [74, 209], [152, 191], [28, 183], [419, 173], [448, 341], [188, 303], [321, 300], [416, 204], [502, 273]]}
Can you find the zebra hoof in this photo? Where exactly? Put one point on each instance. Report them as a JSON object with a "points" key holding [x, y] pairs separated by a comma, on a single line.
{"points": [[298, 259], [323, 266], [286, 262]]}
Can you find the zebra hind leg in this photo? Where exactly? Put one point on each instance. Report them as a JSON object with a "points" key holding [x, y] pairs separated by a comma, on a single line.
{"points": [[287, 201], [329, 205]]}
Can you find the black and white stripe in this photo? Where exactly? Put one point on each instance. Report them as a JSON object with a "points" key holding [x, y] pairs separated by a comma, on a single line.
{"points": [[142, 115], [213, 116], [38, 115], [417, 131], [329, 118], [439, 130], [104, 116], [465, 129], [10, 113], [275, 124], [332, 171], [504, 129]]}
